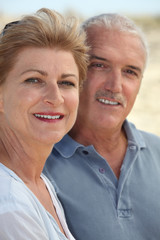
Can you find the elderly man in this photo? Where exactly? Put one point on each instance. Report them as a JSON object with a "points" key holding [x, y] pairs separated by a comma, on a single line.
{"points": [[106, 172]]}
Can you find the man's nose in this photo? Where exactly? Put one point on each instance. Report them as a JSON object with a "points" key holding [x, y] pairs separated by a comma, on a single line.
{"points": [[113, 81], [53, 95]]}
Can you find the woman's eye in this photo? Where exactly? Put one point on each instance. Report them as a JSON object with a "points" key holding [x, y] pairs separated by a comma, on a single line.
{"points": [[66, 83], [32, 80]]}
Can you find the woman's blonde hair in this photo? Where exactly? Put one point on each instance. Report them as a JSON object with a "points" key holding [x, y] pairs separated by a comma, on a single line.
{"points": [[46, 29]]}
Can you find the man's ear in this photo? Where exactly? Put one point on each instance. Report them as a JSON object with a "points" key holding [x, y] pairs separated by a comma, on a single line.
{"points": [[1, 99]]}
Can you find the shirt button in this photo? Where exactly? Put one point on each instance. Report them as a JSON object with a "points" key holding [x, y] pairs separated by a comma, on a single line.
{"points": [[132, 147], [124, 213], [102, 170], [85, 152]]}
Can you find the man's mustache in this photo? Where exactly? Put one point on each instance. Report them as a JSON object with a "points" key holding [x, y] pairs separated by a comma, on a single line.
{"points": [[111, 95]]}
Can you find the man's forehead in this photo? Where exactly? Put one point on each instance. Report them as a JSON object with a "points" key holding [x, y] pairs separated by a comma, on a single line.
{"points": [[116, 43]]}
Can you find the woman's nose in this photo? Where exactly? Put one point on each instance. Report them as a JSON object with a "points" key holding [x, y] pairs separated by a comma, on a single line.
{"points": [[53, 95]]}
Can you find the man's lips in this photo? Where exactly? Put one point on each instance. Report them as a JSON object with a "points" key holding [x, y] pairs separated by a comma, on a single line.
{"points": [[110, 98], [108, 102]]}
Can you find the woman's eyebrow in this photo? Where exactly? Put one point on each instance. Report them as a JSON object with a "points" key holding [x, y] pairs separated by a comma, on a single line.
{"points": [[65, 75], [44, 73]]}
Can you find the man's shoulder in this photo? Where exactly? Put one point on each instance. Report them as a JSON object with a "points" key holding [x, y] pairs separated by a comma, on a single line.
{"points": [[148, 141], [140, 135], [150, 138]]}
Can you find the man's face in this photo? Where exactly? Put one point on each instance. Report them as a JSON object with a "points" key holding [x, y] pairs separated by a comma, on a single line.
{"points": [[116, 68]]}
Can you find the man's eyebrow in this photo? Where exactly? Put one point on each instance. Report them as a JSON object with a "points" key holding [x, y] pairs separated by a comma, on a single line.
{"points": [[106, 60], [135, 68], [98, 58], [44, 73]]}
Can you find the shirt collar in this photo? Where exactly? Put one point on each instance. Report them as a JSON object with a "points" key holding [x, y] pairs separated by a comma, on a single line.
{"points": [[67, 146], [134, 136]]}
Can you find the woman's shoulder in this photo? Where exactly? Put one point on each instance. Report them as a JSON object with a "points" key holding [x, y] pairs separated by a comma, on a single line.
{"points": [[13, 192]]}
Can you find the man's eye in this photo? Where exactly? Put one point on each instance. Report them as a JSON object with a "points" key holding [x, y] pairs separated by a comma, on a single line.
{"points": [[131, 72], [96, 65]]}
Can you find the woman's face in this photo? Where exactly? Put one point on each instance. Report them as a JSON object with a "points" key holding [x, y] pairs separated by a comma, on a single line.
{"points": [[39, 99]]}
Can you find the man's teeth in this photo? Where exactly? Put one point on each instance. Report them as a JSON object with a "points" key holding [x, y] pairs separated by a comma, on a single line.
{"points": [[105, 101], [47, 116]]}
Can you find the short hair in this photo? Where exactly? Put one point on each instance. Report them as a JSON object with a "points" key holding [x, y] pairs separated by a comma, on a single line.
{"points": [[46, 29], [118, 22]]}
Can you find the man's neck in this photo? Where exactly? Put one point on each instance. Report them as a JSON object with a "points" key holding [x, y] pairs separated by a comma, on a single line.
{"points": [[110, 144]]}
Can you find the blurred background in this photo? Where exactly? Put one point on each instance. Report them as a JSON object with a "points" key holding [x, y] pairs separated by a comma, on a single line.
{"points": [[146, 13]]}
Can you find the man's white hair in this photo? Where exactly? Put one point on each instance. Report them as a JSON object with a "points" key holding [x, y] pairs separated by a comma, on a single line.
{"points": [[114, 21]]}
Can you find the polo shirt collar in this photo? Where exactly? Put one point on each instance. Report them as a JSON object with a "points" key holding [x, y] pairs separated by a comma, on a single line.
{"points": [[67, 146], [134, 136]]}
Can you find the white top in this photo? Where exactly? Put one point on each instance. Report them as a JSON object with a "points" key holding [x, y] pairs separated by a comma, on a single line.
{"points": [[22, 216]]}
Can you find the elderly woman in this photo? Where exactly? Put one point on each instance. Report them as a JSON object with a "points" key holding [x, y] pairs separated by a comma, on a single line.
{"points": [[43, 61]]}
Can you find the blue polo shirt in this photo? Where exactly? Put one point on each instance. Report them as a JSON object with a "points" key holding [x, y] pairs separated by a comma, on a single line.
{"points": [[97, 205]]}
